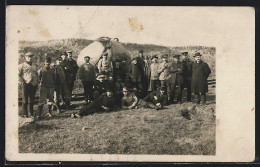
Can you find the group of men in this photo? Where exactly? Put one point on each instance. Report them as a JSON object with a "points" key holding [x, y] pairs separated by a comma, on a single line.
{"points": [[147, 83]]}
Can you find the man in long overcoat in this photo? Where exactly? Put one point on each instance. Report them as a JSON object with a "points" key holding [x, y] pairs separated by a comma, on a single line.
{"points": [[200, 74], [176, 80], [187, 74]]}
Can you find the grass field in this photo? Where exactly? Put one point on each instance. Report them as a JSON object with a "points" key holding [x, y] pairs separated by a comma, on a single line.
{"points": [[139, 131]]}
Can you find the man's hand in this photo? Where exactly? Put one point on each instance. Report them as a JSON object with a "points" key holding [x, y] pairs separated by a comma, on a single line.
{"points": [[105, 108], [158, 104], [155, 97]]}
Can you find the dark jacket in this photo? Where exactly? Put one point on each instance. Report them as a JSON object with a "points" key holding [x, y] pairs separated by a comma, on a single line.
{"points": [[176, 76], [187, 74], [60, 81], [87, 72], [70, 66], [200, 74], [135, 70], [161, 98], [47, 77]]}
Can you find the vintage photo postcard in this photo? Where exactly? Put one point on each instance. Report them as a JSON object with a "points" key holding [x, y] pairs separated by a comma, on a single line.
{"points": [[130, 83]]}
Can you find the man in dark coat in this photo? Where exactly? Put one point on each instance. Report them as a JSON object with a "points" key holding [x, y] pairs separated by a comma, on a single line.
{"points": [[147, 76], [87, 76], [60, 85], [71, 68], [136, 75], [104, 102], [177, 79], [200, 74], [187, 74], [156, 99]]}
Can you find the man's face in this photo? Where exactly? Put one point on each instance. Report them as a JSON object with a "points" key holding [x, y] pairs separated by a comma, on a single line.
{"points": [[117, 64], [69, 55], [57, 62], [47, 64], [146, 61], [176, 59], [109, 94], [86, 59], [197, 58], [155, 60], [125, 93], [185, 57], [164, 59], [134, 61], [28, 58], [63, 57]]}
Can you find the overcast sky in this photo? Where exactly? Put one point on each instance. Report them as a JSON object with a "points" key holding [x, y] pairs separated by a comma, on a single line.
{"points": [[171, 26]]}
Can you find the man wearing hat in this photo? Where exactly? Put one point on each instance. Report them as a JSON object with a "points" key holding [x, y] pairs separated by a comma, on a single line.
{"points": [[28, 78], [200, 74], [105, 102], [60, 84], [129, 101], [105, 66], [164, 74], [147, 76], [187, 74], [156, 100], [71, 69], [136, 74], [47, 85], [176, 79], [155, 83], [88, 76]]}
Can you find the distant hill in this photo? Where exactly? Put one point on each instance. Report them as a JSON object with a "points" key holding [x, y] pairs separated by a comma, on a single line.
{"points": [[55, 47]]}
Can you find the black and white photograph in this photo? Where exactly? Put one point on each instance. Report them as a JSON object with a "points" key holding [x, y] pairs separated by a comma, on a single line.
{"points": [[107, 81]]}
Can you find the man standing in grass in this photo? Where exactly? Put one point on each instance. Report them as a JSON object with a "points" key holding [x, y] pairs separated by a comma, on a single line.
{"points": [[47, 85], [60, 84], [155, 83], [136, 75], [177, 79], [200, 74], [28, 78], [88, 76], [71, 68], [164, 73], [187, 74]]}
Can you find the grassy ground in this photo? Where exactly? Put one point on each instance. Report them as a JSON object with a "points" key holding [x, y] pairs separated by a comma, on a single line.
{"points": [[139, 131]]}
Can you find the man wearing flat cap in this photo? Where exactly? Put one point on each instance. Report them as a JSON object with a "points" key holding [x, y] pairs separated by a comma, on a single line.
{"points": [[176, 79], [70, 68], [136, 75], [200, 74], [164, 72], [187, 74], [105, 66], [60, 85], [47, 85], [155, 83], [28, 78], [87, 76]]}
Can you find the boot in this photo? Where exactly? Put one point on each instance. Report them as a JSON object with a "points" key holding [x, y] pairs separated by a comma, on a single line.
{"points": [[197, 98], [39, 115], [203, 98], [58, 106], [25, 112], [31, 112], [49, 110]]}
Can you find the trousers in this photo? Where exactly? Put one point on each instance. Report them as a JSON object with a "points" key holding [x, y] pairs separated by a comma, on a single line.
{"points": [[28, 95]]}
